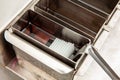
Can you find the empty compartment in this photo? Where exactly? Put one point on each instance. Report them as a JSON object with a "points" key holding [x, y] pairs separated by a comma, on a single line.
{"points": [[57, 40], [103, 6], [68, 11]]}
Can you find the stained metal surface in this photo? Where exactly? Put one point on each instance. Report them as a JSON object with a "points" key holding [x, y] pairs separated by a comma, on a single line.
{"points": [[7, 75]]}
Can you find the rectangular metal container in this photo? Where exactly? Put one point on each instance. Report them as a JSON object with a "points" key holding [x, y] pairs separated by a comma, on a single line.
{"points": [[76, 21]]}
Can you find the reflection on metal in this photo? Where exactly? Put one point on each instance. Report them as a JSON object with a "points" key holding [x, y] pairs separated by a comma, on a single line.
{"points": [[94, 53], [39, 29]]}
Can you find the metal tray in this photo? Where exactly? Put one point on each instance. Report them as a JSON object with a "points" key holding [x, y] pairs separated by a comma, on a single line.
{"points": [[74, 14], [34, 20]]}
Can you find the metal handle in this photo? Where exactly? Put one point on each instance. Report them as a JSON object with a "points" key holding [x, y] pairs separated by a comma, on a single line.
{"points": [[94, 53]]}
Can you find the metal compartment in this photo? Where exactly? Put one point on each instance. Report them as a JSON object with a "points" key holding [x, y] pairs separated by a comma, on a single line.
{"points": [[84, 19], [35, 27], [101, 7], [64, 19], [78, 16]]}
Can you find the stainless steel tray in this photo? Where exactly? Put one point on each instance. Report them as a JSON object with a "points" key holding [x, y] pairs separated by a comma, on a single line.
{"points": [[81, 23]]}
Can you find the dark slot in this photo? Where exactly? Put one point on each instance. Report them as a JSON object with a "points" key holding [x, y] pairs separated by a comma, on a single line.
{"points": [[105, 6]]}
